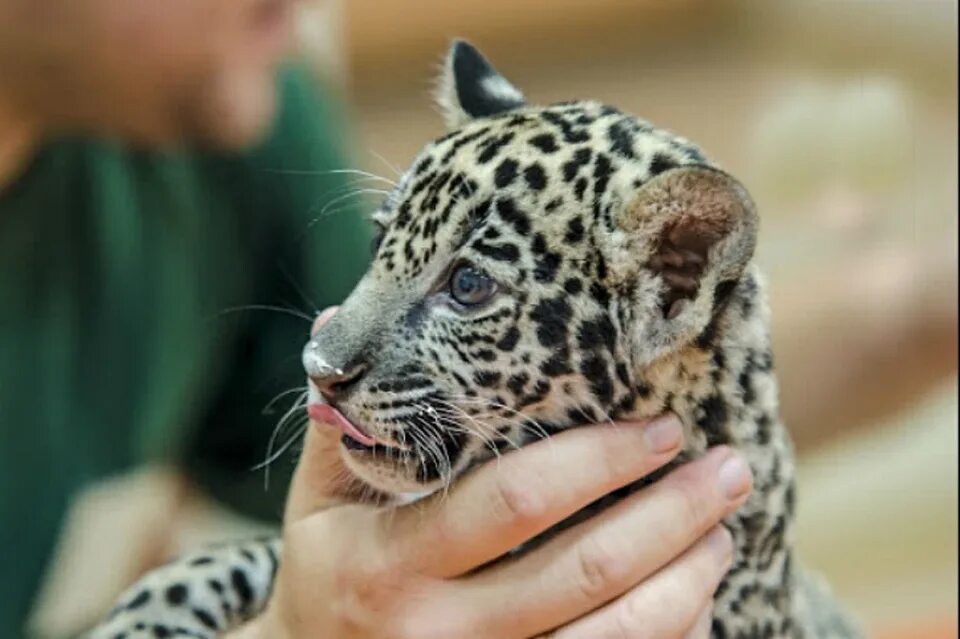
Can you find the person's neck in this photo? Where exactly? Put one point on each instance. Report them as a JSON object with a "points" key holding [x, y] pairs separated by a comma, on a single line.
{"points": [[19, 138]]}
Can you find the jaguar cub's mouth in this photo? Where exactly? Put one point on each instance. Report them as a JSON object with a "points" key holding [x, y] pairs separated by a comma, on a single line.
{"points": [[354, 438]]}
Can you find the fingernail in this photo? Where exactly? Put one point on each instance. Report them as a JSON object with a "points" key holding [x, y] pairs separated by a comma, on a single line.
{"points": [[721, 543], [664, 433], [734, 477]]}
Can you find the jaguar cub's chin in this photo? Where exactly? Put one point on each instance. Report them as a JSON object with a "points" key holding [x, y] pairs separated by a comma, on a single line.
{"points": [[386, 471]]}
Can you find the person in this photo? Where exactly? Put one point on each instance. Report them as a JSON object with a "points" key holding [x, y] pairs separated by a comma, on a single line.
{"points": [[161, 163]]}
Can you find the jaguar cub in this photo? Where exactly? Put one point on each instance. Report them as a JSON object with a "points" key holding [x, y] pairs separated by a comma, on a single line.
{"points": [[540, 268]]}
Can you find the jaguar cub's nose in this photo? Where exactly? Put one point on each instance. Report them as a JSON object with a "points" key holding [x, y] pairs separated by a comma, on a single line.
{"points": [[333, 382]]}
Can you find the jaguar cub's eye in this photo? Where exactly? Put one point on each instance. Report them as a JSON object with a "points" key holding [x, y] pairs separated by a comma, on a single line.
{"points": [[470, 286]]}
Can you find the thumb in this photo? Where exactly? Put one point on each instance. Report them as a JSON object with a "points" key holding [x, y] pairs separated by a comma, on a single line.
{"points": [[320, 480]]}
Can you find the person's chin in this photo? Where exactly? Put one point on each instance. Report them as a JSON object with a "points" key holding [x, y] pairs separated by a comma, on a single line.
{"points": [[236, 111]]}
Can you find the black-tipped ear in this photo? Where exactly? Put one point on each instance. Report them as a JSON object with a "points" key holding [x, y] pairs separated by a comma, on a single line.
{"points": [[702, 226], [469, 87]]}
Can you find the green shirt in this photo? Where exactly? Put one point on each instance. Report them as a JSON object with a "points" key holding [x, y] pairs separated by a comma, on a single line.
{"points": [[118, 270]]}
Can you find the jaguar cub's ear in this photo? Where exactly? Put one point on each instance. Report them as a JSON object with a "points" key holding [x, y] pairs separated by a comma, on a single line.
{"points": [[700, 226], [469, 87]]}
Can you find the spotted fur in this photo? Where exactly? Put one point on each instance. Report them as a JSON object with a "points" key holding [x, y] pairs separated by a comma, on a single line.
{"points": [[625, 287]]}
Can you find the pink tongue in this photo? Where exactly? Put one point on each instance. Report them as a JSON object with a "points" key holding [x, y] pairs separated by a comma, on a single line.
{"points": [[327, 414]]}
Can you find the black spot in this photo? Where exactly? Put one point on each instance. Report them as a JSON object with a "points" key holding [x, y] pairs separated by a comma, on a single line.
{"points": [[602, 170], [423, 165], [575, 231], [539, 244], [558, 364], [215, 586], [510, 214], [594, 368], [142, 598], [573, 286], [509, 341], [539, 392], [595, 333], [505, 173], [763, 429], [706, 338], [745, 381], [486, 355], [205, 618], [553, 204], [500, 252], [551, 317], [545, 142], [580, 187], [572, 166], [722, 293], [546, 269], [491, 147], [600, 294], [491, 233], [570, 134], [582, 415], [661, 163], [238, 579], [621, 138], [161, 632], [487, 379], [516, 383], [535, 177], [713, 420], [176, 594], [462, 140]]}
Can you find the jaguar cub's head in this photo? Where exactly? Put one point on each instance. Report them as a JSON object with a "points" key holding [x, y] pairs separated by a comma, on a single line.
{"points": [[533, 265]]}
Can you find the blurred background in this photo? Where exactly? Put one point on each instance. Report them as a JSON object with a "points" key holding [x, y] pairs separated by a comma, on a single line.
{"points": [[841, 118]]}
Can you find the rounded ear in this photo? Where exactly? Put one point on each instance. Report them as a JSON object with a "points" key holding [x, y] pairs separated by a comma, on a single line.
{"points": [[697, 226], [469, 87]]}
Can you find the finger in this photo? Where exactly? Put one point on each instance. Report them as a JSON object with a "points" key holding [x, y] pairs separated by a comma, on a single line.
{"points": [[596, 561], [701, 627], [672, 604], [321, 478], [503, 504]]}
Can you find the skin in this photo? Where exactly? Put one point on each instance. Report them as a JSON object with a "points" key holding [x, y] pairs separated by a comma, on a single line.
{"points": [[647, 567]]}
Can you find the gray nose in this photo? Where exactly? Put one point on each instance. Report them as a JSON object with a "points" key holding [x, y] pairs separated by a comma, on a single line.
{"points": [[331, 380]]}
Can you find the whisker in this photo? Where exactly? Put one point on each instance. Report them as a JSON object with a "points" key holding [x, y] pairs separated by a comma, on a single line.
{"points": [[389, 164], [267, 307], [280, 395]]}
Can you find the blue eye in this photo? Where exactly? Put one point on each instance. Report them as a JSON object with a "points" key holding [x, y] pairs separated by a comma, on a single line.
{"points": [[470, 286]]}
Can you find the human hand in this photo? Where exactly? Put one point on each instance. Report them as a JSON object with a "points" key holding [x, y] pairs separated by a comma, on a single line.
{"points": [[646, 567]]}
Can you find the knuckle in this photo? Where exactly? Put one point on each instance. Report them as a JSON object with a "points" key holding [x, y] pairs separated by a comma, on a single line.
{"points": [[517, 497], [598, 568], [630, 622]]}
